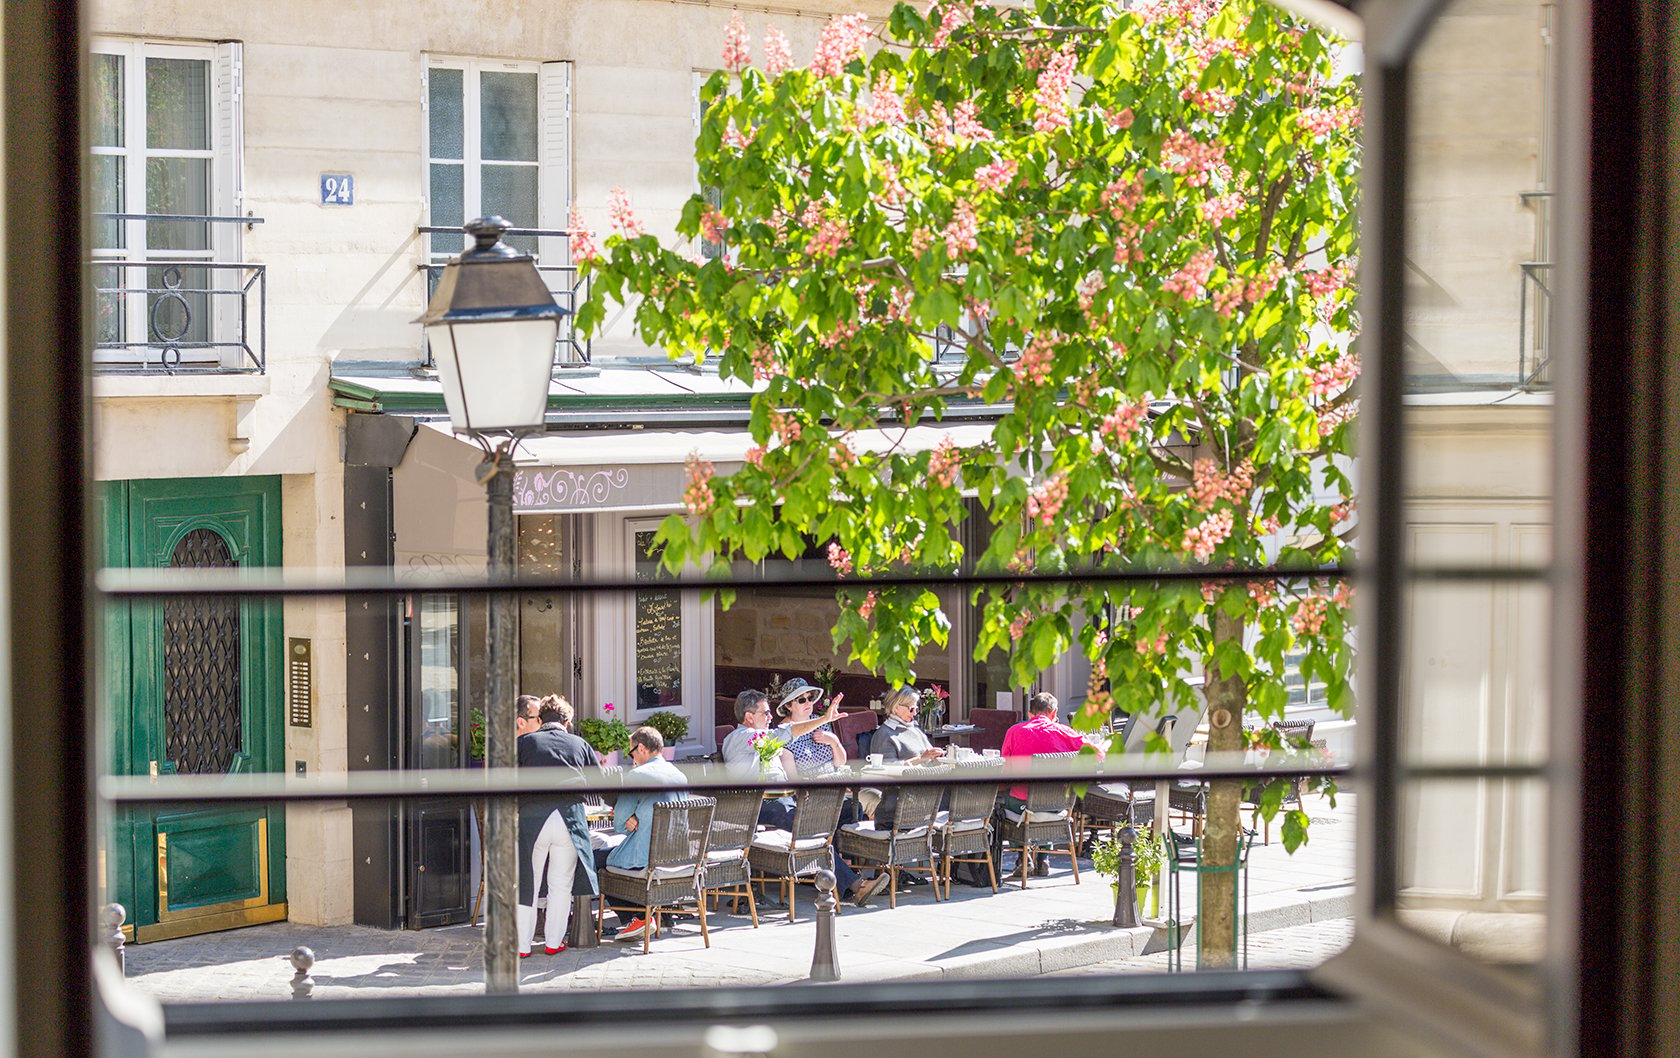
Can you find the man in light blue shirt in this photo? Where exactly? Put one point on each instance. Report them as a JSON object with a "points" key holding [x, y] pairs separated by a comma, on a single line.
{"points": [[633, 812]]}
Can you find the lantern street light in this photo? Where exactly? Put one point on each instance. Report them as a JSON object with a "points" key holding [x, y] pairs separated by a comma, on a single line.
{"points": [[492, 325]]}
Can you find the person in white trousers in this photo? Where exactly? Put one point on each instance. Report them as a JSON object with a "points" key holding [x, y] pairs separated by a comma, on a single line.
{"points": [[553, 830]]}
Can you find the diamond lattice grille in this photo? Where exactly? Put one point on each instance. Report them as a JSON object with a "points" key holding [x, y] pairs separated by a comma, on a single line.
{"points": [[201, 714]]}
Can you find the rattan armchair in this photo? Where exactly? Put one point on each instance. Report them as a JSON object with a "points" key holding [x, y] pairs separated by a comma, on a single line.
{"points": [[963, 833], [676, 870], [1045, 824], [796, 856], [907, 845], [734, 825]]}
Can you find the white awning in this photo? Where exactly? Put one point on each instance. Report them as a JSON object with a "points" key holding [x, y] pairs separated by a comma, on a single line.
{"points": [[643, 470]]}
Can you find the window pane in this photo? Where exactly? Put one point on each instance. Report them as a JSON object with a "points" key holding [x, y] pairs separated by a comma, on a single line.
{"points": [[440, 696], [446, 113], [109, 304], [178, 104], [179, 186], [446, 206], [108, 197], [511, 191], [107, 91], [1478, 418], [508, 116], [178, 306], [659, 634]]}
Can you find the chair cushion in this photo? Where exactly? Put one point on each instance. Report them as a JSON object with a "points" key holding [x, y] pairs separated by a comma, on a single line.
{"points": [[868, 832], [780, 840], [660, 874], [725, 855], [1037, 817]]}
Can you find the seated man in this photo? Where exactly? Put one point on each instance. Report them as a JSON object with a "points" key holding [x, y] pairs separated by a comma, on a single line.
{"points": [[1041, 732], [633, 811]]}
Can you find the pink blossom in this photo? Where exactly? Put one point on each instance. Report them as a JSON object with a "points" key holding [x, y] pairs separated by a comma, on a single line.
{"points": [[1201, 540], [765, 364], [1210, 484], [944, 462], [867, 607], [1341, 512], [1157, 645], [920, 240], [778, 56], [841, 457], [951, 16], [1310, 612], [1037, 360], [840, 559], [962, 234], [623, 218], [755, 456], [956, 127], [1122, 196], [1120, 119], [842, 331], [1089, 287], [1183, 153], [1330, 379], [1051, 97], [582, 242], [1326, 282], [1119, 425], [884, 106], [1221, 208], [830, 232], [734, 137], [842, 41], [1343, 595], [698, 496], [1262, 592], [737, 46], [713, 224], [1329, 421], [1189, 281], [996, 176], [892, 193], [786, 426], [1227, 298], [1045, 500], [1321, 121]]}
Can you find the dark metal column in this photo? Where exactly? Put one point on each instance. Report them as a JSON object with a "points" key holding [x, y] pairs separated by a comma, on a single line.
{"points": [[501, 957]]}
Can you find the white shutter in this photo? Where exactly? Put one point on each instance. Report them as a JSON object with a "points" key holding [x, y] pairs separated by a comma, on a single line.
{"points": [[554, 154], [227, 193]]}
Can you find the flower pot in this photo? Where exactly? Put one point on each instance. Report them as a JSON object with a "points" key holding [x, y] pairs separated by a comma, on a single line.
{"points": [[608, 760], [1147, 905], [669, 753]]}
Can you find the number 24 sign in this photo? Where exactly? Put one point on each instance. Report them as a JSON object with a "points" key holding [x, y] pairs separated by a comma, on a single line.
{"points": [[338, 189]]}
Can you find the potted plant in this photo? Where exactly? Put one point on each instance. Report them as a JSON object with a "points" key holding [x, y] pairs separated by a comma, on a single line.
{"points": [[1149, 855], [605, 735], [672, 727], [826, 676], [475, 737]]}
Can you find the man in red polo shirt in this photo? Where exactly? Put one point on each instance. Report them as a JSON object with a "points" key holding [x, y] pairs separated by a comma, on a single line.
{"points": [[1041, 732]]}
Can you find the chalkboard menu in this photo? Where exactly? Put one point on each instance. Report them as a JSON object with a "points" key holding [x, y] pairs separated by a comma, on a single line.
{"points": [[658, 633]]}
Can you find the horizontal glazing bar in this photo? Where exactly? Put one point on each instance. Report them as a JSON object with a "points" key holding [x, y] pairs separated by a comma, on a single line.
{"points": [[138, 583], [198, 217]]}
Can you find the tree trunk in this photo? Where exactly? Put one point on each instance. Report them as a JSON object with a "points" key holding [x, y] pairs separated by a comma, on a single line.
{"points": [[1216, 920]]}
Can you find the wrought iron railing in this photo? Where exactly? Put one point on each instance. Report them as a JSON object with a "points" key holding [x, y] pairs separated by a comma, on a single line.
{"points": [[1534, 351], [570, 290], [178, 312]]}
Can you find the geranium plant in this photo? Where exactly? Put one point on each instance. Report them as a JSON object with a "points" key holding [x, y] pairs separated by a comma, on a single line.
{"points": [[606, 734]]}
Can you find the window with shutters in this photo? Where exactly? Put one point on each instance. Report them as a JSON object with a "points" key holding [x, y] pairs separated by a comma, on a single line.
{"points": [[498, 143], [165, 136]]}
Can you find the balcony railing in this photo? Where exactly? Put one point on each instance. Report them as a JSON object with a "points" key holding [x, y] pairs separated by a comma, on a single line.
{"points": [[1534, 350], [570, 290], [178, 311]]}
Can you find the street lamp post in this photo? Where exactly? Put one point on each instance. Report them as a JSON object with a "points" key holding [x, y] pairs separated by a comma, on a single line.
{"points": [[492, 325]]}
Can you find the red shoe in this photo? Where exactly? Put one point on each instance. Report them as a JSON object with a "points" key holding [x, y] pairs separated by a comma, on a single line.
{"points": [[524, 955], [555, 951]]}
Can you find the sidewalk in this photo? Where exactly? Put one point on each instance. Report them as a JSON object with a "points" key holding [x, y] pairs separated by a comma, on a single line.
{"points": [[1052, 926]]}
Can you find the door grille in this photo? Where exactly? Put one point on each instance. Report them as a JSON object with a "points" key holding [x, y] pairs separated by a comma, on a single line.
{"points": [[201, 692]]}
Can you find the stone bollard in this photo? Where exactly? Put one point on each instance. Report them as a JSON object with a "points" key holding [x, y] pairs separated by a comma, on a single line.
{"points": [[824, 967], [303, 985], [1125, 894], [113, 915]]}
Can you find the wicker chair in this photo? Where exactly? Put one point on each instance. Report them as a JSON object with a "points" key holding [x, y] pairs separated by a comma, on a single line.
{"points": [[796, 856], [963, 834], [1045, 821], [907, 846], [1293, 731], [676, 870], [1111, 805], [734, 824]]}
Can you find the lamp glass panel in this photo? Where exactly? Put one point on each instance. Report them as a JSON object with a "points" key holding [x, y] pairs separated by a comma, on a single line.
{"points": [[495, 374]]}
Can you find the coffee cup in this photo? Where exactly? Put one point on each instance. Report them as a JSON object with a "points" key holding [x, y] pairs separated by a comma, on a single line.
{"points": [[875, 759]]}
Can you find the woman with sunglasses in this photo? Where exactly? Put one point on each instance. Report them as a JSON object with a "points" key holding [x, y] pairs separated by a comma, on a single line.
{"points": [[815, 753]]}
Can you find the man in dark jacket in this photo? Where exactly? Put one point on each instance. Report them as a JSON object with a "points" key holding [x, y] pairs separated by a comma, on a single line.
{"points": [[553, 829]]}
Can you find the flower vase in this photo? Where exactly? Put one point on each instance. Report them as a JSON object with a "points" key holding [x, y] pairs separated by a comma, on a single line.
{"points": [[608, 760]]}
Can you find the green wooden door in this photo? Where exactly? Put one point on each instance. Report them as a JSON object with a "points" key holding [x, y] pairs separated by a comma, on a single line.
{"points": [[195, 687]]}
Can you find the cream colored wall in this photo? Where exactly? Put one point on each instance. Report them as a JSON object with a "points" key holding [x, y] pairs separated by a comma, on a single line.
{"points": [[335, 87]]}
